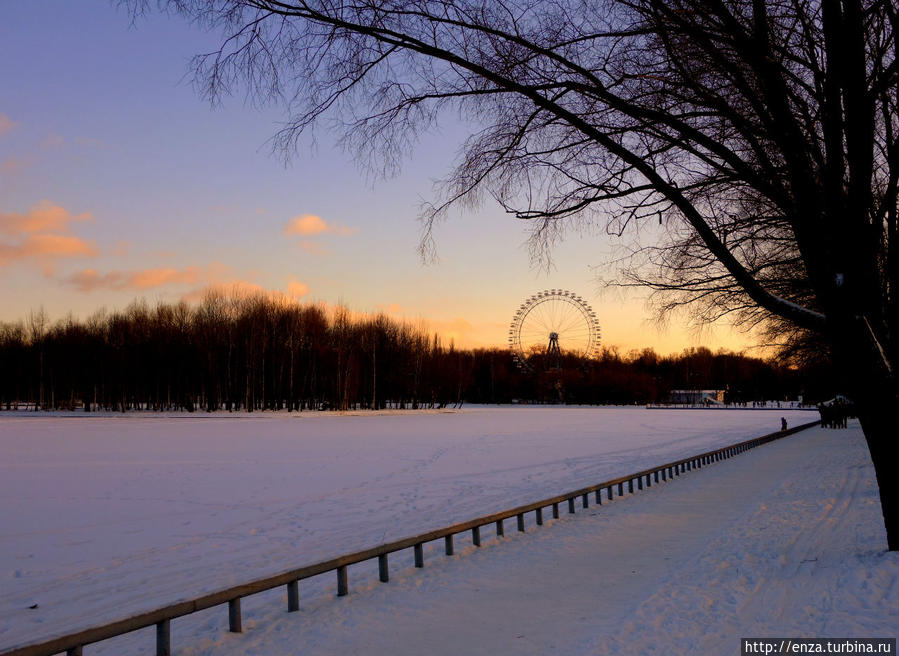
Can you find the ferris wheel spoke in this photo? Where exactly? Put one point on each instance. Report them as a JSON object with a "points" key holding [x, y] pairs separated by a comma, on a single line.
{"points": [[545, 316], [540, 318], [573, 322], [576, 329], [561, 310], [535, 328], [533, 338], [575, 332], [561, 314], [554, 311]]}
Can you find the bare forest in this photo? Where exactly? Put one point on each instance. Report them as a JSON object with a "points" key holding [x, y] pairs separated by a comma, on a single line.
{"points": [[267, 353]]}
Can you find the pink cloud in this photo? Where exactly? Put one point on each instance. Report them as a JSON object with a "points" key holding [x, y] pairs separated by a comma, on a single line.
{"points": [[53, 140], [42, 217], [392, 308], [313, 247], [91, 142], [47, 246], [42, 233], [310, 225], [6, 124], [201, 280], [88, 280], [149, 278], [297, 289], [231, 289], [11, 165], [57, 245], [239, 289]]}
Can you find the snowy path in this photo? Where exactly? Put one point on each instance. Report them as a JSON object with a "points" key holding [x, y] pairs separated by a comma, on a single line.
{"points": [[782, 541]]}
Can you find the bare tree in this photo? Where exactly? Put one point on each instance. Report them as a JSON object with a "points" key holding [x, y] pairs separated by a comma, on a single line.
{"points": [[37, 329], [758, 137]]}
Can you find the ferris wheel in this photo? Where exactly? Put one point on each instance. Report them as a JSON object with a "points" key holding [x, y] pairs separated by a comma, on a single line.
{"points": [[553, 322]]}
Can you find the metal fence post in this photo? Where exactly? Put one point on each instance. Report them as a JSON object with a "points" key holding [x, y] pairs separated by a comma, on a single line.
{"points": [[234, 625], [293, 596], [341, 581], [163, 638], [419, 555]]}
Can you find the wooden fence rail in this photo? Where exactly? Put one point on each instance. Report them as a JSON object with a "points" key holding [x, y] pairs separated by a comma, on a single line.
{"points": [[73, 643]]}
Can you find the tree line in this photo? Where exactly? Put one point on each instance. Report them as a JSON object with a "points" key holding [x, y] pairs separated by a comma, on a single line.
{"points": [[268, 353]]}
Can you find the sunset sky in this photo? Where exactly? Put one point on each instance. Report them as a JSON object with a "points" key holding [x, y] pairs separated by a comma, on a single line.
{"points": [[118, 182]]}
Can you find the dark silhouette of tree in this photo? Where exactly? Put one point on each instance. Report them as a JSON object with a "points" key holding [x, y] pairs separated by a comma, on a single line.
{"points": [[761, 136], [263, 353]]}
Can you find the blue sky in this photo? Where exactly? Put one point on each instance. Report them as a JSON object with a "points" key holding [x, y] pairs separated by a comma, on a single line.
{"points": [[118, 182]]}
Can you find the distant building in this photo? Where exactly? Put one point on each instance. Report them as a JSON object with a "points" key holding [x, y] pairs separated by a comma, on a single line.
{"points": [[696, 397]]}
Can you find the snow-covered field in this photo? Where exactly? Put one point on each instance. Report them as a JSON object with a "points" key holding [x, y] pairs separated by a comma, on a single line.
{"points": [[102, 517]]}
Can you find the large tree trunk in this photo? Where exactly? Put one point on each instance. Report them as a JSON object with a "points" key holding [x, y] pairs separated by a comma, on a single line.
{"points": [[872, 386], [878, 420]]}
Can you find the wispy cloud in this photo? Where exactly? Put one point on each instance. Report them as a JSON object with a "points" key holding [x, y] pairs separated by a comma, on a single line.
{"points": [[313, 247], [11, 165], [233, 288], [138, 280], [391, 308], [297, 289], [42, 233], [42, 217], [200, 281], [6, 124], [310, 225], [53, 140], [459, 330], [238, 289], [89, 280], [47, 247], [90, 142]]}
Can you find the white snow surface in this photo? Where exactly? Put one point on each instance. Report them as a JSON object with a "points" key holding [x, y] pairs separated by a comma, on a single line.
{"points": [[102, 517]]}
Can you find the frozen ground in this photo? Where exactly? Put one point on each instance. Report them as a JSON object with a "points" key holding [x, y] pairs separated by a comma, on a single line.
{"points": [[104, 517]]}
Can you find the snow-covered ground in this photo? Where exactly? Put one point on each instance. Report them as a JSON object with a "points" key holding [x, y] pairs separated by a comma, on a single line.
{"points": [[102, 517]]}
